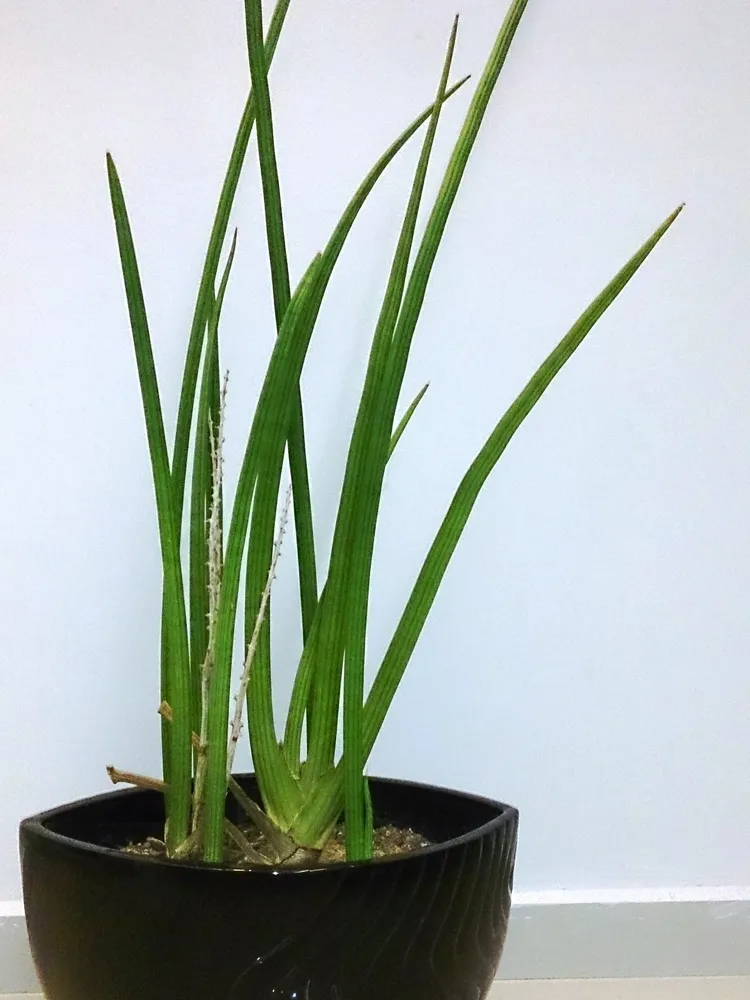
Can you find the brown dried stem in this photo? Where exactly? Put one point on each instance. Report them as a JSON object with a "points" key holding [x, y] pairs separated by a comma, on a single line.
{"points": [[192, 843], [244, 844], [137, 780]]}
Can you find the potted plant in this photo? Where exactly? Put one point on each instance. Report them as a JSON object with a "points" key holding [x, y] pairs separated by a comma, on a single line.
{"points": [[308, 879]]}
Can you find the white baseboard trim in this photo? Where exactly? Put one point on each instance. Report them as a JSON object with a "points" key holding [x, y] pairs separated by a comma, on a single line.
{"points": [[725, 988], [645, 935], [16, 968], [607, 897], [705, 934]]}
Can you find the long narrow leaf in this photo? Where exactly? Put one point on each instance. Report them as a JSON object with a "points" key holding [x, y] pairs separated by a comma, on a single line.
{"points": [[325, 706], [166, 739], [178, 799], [358, 505], [436, 563], [277, 253], [273, 410], [303, 681], [210, 269], [303, 526], [243, 500], [304, 677], [201, 495], [416, 289], [404, 421], [314, 824], [364, 515], [269, 172], [301, 693], [195, 342], [271, 770]]}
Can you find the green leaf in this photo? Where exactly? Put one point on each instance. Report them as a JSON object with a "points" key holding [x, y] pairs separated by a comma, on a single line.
{"points": [[301, 693], [369, 816], [271, 420], [324, 806], [360, 508], [178, 683], [303, 525], [436, 563], [203, 305], [269, 173], [205, 297], [404, 422], [416, 289], [208, 409], [304, 678], [367, 453], [296, 442], [166, 739], [244, 497], [302, 512], [325, 706]]}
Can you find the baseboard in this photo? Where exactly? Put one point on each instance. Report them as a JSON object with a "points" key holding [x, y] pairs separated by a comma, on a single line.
{"points": [[724, 988], [660, 935], [16, 968], [595, 989], [638, 935]]}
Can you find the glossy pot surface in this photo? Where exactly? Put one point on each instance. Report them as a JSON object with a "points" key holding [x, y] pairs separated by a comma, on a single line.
{"points": [[429, 925]]}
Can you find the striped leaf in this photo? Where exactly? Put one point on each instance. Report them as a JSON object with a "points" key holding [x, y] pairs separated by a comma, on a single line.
{"points": [[327, 801], [178, 682], [270, 422]]}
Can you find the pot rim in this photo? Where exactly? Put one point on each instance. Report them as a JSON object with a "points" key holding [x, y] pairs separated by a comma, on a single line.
{"points": [[36, 825]]}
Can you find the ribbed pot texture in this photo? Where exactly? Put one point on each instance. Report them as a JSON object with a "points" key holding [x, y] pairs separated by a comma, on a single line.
{"points": [[429, 925]]}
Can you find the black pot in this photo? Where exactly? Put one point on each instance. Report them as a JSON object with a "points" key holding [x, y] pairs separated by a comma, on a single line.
{"points": [[429, 925]]}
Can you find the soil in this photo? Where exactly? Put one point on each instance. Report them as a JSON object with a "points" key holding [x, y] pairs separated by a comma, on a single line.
{"points": [[388, 841]]}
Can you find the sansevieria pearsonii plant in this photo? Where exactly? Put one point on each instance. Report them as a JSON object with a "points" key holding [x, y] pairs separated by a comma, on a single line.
{"points": [[229, 567]]}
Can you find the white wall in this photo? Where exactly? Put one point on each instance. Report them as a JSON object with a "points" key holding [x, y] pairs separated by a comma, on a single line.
{"points": [[588, 656]]}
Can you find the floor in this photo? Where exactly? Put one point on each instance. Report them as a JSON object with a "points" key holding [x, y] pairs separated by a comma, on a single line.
{"points": [[601, 989]]}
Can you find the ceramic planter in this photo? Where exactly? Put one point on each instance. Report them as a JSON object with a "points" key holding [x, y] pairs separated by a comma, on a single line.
{"points": [[430, 925]]}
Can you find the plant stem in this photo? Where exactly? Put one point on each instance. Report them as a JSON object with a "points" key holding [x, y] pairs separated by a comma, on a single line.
{"points": [[244, 844], [215, 560]]}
